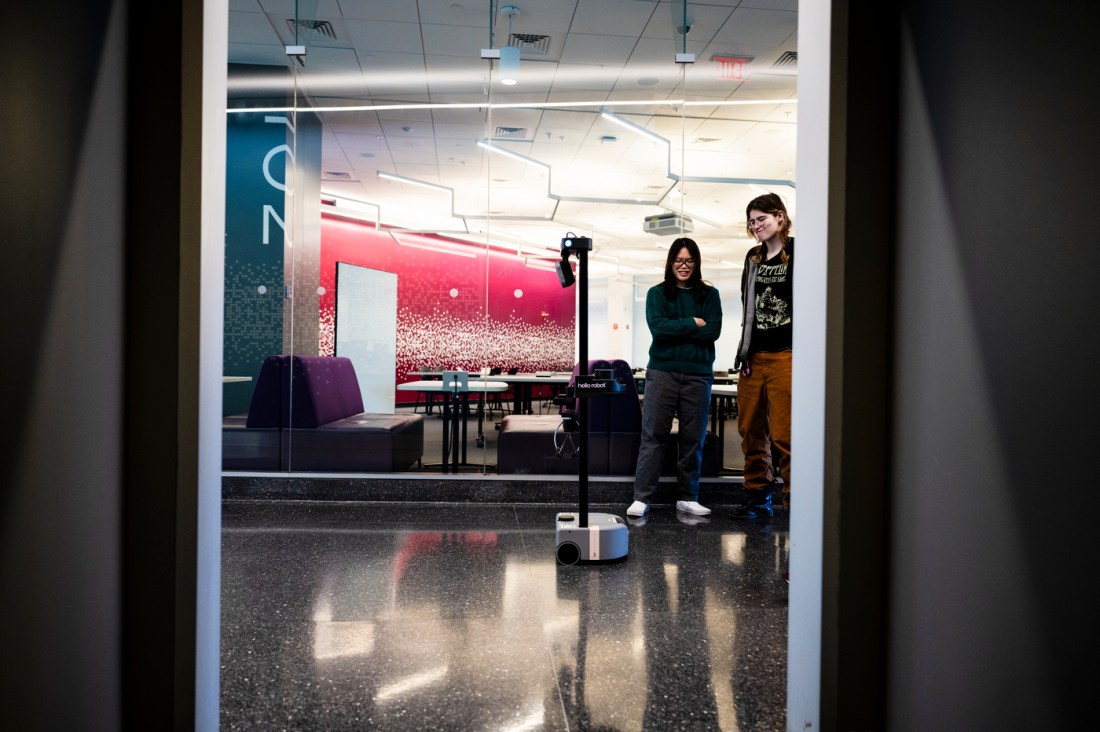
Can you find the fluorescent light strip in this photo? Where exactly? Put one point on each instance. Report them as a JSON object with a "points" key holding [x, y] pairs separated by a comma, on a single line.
{"points": [[515, 105], [631, 126], [498, 244], [349, 214], [535, 251], [349, 199], [514, 155], [537, 264], [413, 181], [438, 250], [427, 247], [351, 208]]}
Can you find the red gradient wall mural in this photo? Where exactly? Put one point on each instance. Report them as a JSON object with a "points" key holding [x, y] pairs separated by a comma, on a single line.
{"points": [[455, 312]]}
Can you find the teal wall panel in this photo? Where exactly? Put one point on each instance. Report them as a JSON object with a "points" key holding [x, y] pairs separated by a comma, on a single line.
{"points": [[257, 157]]}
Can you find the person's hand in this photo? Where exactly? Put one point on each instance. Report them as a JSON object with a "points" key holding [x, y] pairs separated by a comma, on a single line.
{"points": [[699, 322]]}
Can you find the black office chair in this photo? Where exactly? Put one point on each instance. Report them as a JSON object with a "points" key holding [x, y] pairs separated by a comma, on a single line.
{"points": [[429, 398], [497, 401]]}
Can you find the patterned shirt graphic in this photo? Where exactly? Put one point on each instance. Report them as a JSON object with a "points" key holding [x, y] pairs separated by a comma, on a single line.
{"points": [[774, 308]]}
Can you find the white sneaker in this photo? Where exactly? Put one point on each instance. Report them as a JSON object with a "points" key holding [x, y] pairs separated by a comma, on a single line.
{"points": [[692, 507], [639, 509]]}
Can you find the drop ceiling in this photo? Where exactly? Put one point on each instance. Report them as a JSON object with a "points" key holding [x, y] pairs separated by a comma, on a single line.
{"points": [[726, 122]]}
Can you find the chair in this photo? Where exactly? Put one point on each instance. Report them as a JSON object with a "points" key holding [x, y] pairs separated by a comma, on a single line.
{"points": [[429, 398], [497, 400]]}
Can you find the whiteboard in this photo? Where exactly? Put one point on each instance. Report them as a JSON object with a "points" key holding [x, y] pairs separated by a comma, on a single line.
{"points": [[366, 331]]}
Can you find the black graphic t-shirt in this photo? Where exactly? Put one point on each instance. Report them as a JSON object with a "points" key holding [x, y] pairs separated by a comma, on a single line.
{"points": [[771, 328]]}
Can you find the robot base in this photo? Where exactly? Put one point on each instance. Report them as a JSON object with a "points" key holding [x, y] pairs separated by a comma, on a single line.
{"points": [[604, 538]]}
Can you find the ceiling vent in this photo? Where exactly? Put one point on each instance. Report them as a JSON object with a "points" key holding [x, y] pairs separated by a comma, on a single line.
{"points": [[510, 133], [789, 58], [667, 224], [531, 44], [705, 140], [336, 175], [311, 30]]}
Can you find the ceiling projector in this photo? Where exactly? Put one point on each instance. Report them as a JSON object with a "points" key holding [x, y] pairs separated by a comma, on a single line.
{"points": [[667, 223]]}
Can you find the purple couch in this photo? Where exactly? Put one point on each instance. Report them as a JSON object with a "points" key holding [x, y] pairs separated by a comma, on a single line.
{"points": [[307, 414], [526, 443]]}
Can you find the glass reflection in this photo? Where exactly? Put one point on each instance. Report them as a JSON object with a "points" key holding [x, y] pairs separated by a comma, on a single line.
{"points": [[404, 153], [354, 612]]}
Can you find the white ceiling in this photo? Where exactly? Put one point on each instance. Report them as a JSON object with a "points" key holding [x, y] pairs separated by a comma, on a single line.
{"points": [[733, 137]]}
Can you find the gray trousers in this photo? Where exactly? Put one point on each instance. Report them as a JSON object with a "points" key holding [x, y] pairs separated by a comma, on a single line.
{"points": [[670, 394]]}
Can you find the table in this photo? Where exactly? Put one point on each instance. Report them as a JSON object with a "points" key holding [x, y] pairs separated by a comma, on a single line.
{"points": [[235, 379], [524, 387], [454, 411], [721, 395], [524, 384]]}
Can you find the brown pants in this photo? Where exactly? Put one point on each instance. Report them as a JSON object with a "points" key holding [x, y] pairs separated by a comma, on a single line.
{"points": [[764, 419]]}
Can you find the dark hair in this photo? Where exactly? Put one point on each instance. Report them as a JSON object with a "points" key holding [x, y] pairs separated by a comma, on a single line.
{"points": [[769, 203], [695, 281]]}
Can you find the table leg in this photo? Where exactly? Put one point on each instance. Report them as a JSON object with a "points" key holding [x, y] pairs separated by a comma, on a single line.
{"points": [[465, 410], [446, 429], [481, 419], [457, 405]]}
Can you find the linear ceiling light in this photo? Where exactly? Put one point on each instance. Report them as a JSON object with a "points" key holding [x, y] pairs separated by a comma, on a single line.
{"points": [[429, 248], [413, 181], [631, 126], [515, 105], [546, 266], [509, 154]]}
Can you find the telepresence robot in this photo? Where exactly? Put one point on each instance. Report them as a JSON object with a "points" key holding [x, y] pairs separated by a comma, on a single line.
{"points": [[584, 536]]}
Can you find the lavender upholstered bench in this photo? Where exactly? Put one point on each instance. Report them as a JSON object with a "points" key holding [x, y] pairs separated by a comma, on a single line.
{"points": [[314, 406]]}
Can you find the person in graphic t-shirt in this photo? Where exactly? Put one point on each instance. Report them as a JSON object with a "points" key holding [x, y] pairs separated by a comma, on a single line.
{"points": [[764, 356]]}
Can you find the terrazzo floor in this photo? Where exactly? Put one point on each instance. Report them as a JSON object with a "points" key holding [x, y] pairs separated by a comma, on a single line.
{"points": [[448, 616]]}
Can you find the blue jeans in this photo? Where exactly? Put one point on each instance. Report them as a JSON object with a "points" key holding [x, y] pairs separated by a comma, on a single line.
{"points": [[671, 394]]}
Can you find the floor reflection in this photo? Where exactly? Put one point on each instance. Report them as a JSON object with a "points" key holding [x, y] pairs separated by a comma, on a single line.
{"points": [[445, 616]]}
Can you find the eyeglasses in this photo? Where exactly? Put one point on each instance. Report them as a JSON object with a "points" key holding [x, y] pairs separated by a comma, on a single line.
{"points": [[753, 223], [684, 262]]}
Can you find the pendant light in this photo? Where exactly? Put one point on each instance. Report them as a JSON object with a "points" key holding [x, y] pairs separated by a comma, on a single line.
{"points": [[509, 55]]}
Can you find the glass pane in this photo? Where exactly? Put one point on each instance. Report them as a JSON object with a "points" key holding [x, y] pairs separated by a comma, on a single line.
{"points": [[393, 148]]}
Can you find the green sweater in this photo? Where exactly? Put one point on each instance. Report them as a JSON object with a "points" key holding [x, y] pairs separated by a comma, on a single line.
{"points": [[678, 343]]}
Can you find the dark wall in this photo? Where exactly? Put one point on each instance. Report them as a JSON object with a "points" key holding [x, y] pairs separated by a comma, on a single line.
{"points": [[993, 500], [91, 468], [61, 294]]}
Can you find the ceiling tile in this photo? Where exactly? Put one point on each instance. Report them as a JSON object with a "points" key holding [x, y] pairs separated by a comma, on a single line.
{"points": [[613, 17]]}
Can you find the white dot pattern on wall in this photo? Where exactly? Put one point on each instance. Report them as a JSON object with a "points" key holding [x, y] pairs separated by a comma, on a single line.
{"points": [[326, 333], [442, 339]]}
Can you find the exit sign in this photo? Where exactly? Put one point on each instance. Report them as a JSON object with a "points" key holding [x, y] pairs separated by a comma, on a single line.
{"points": [[731, 67]]}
